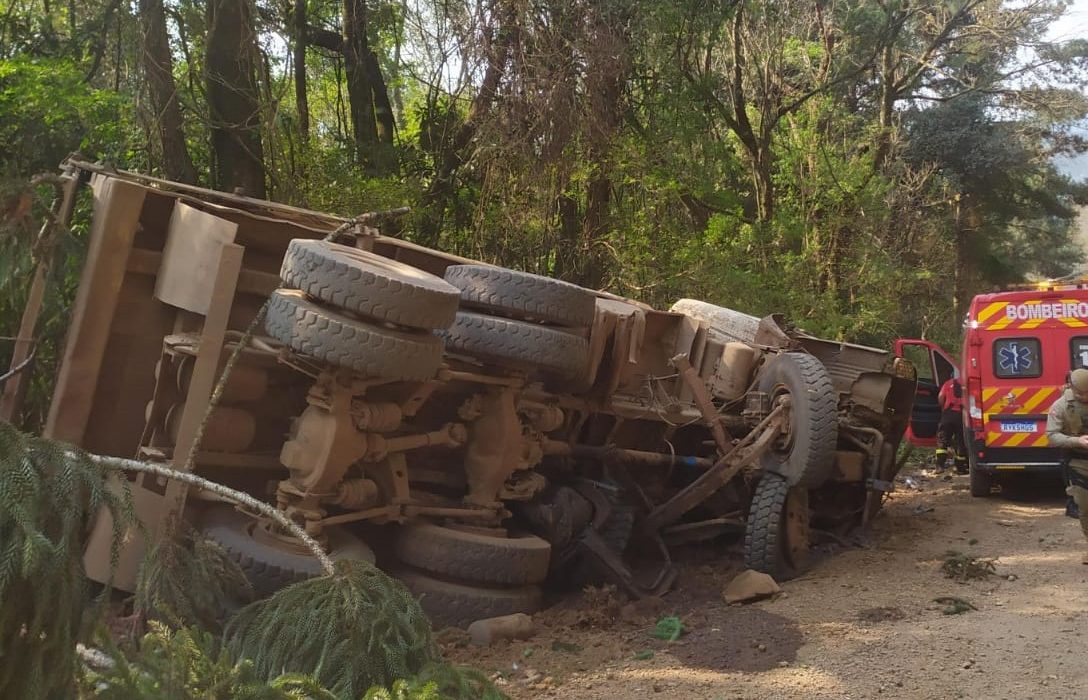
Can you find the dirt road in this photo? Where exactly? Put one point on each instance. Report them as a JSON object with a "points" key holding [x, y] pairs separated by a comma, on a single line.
{"points": [[862, 624]]}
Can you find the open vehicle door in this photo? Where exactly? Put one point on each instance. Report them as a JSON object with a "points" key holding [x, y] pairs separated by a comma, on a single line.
{"points": [[935, 367]]}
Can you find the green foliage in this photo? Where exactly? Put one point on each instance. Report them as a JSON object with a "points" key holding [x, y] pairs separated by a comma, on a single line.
{"points": [[448, 683], [191, 664], [668, 628], [49, 495], [611, 152], [964, 567], [189, 580], [21, 250], [47, 110], [351, 631], [188, 664]]}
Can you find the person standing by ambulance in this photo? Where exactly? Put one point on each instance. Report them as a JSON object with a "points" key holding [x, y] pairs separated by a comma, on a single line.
{"points": [[950, 429], [1067, 429]]}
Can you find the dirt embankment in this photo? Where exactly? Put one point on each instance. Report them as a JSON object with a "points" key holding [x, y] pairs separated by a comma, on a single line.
{"points": [[862, 624]]}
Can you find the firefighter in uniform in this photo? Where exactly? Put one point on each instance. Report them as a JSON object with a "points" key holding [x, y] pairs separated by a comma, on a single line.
{"points": [[1067, 429], [950, 429]]}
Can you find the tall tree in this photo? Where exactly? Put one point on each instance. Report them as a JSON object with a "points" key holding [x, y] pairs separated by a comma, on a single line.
{"points": [[754, 63], [302, 101], [158, 67], [368, 97], [230, 65]]}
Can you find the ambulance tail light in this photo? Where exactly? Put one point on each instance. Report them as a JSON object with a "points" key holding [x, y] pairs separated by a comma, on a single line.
{"points": [[974, 411]]}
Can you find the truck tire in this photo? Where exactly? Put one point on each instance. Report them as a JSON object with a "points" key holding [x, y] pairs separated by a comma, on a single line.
{"points": [[449, 604], [981, 482], [733, 325], [368, 284], [470, 556], [806, 456], [776, 534], [267, 567], [518, 344], [325, 335], [522, 295]]}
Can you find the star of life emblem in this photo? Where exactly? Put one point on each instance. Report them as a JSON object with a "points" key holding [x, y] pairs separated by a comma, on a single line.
{"points": [[1014, 358]]}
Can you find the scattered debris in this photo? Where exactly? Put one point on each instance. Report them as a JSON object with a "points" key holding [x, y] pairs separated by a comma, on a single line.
{"points": [[954, 605], [881, 614], [911, 483], [640, 609], [921, 510], [600, 606], [668, 628], [963, 567], [490, 630], [749, 586]]}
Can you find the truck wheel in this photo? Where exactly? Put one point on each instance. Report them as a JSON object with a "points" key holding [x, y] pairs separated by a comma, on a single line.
{"points": [[806, 454], [268, 565], [734, 325], [375, 351], [471, 556], [518, 344], [522, 295], [776, 534], [450, 604], [368, 284], [981, 482]]}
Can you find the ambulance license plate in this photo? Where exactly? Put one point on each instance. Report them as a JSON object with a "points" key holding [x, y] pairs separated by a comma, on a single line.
{"points": [[1023, 427]]}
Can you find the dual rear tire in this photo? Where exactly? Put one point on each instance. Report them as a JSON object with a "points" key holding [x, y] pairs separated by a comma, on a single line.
{"points": [[354, 309], [464, 575], [376, 316]]}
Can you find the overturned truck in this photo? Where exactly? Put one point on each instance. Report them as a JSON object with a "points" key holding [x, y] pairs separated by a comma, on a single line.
{"points": [[476, 431]]}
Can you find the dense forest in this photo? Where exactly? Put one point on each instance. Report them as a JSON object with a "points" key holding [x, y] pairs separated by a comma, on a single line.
{"points": [[863, 166]]}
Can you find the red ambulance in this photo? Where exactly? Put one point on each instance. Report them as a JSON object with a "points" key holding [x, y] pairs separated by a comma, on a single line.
{"points": [[1018, 349]]}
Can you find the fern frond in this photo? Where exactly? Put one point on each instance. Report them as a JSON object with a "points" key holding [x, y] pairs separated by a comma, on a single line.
{"points": [[188, 664], [188, 580], [353, 630]]}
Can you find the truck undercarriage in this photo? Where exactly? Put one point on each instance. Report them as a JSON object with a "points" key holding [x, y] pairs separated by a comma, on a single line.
{"points": [[477, 431]]}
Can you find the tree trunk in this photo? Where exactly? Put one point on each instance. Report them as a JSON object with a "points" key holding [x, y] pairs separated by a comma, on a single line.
{"points": [[233, 102], [762, 162], [567, 252], [159, 69], [385, 161], [888, 79], [968, 219], [360, 94], [383, 110], [598, 213], [302, 102]]}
